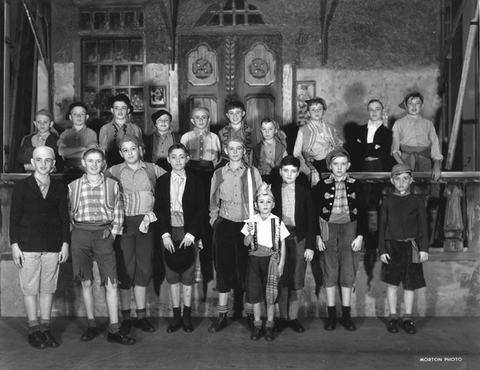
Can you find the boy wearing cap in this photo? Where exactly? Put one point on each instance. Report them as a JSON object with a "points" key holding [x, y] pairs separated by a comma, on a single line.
{"points": [[415, 142], [229, 208], [75, 141], [43, 137], [181, 209], [342, 217], [265, 233], [134, 250], [402, 245], [40, 236], [118, 127], [315, 139], [205, 150], [157, 143], [236, 128], [96, 212]]}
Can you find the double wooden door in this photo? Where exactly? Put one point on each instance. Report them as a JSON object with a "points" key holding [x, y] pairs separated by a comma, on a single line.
{"points": [[216, 69]]}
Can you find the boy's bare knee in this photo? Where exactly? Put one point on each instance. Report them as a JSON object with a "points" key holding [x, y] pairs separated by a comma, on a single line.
{"points": [[87, 284]]}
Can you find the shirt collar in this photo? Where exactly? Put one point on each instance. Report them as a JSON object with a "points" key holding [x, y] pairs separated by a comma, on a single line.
{"points": [[87, 181], [204, 132], [332, 178], [169, 131], [182, 175], [241, 167], [374, 125]]}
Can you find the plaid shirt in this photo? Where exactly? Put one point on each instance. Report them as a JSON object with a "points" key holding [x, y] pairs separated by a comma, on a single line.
{"points": [[92, 206], [340, 203], [288, 202]]}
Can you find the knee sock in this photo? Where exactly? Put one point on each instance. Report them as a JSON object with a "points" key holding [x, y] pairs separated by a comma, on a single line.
{"points": [[332, 312], [346, 312], [222, 309], [113, 328], [141, 313], [177, 317], [126, 314]]}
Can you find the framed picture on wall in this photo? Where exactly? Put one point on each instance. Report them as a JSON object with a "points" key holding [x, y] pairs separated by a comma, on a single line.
{"points": [[305, 90], [158, 96]]}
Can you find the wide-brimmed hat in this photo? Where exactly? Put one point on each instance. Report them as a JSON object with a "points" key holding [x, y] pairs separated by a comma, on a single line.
{"points": [[180, 260], [120, 97], [417, 94], [337, 152], [400, 168], [160, 113]]}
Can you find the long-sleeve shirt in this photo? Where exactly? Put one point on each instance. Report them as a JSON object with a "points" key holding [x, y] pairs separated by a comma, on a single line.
{"points": [[111, 132], [416, 132], [202, 146]]}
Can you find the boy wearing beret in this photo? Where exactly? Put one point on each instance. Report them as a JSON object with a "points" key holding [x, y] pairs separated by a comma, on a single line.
{"points": [[342, 217], [40, 235], [158, 143], [118, 127], [75, 141], [180, 208]]}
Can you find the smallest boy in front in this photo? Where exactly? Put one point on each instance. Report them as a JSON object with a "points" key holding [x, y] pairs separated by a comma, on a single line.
{"points": [[73, 142], [43, 137], [181, 210], [340, 205], [96, 211], [402, 245], [266, 234]]}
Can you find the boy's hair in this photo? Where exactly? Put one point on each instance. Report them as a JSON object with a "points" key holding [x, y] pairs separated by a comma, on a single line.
{"points": [[267, 120], [178, 146], [316, 100], [235, 139], [44, 112], [195, 110], [335, 153], [93, 151], [129, 138], [290, 160], [412, 95], [234, 105]]}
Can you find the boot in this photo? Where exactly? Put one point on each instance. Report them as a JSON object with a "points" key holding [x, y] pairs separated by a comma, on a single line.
{"points": [[177, 321], [220, 324], [187, 319]]}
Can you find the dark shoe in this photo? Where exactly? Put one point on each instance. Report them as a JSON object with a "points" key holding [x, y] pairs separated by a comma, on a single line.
{"points": [[35, 339], [330, 324], [407, 325], [188, 328], [173, 327], [120, 339], [256, 333], [269, 335], [49, 340], [144, 325], [187, 319], [393, 326], [296, 326], [349, 324], [219, 324], [91, 333], [126, 327], [280, 325], [250, 320]]}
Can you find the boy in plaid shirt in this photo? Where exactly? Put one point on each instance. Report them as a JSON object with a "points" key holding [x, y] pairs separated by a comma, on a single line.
{"points": [[339, 201], [96, 211]]}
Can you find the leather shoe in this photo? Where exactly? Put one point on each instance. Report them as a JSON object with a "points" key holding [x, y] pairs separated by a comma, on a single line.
{"points": [[269, 336], [330, 324], [188, 328], [91, 333], [256, 333], [280, 324], [49, 340], [296, 326], [407, 325], [144, 325], [175, 326], [120, 339], [219, 324], [393, 326], [126, 327], [349, 324], [35, 339]]}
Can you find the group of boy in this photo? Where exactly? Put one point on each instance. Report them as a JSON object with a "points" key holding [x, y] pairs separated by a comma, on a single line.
{"points": [[125, 200]]}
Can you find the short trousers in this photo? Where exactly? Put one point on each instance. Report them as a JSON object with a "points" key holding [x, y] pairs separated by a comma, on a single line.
{"points": [[230, 255], [87, 246], [400, 268], [256, 281], [339, 261], [295, 265], [187, 277], [134, 253], [39, 273]]}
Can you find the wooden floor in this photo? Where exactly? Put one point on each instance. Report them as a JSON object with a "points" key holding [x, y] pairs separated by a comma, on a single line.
{"points": [[441, 343]]}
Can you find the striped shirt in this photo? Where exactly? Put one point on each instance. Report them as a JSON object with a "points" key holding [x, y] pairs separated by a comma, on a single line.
{"points": [[288, 204], [92, 207]]}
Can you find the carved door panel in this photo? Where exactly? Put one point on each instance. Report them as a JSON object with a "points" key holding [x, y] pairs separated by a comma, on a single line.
{"points": [[216, 69]]}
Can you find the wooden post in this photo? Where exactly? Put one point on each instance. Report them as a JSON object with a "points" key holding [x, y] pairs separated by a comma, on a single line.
{"points": [[461, 93]]}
